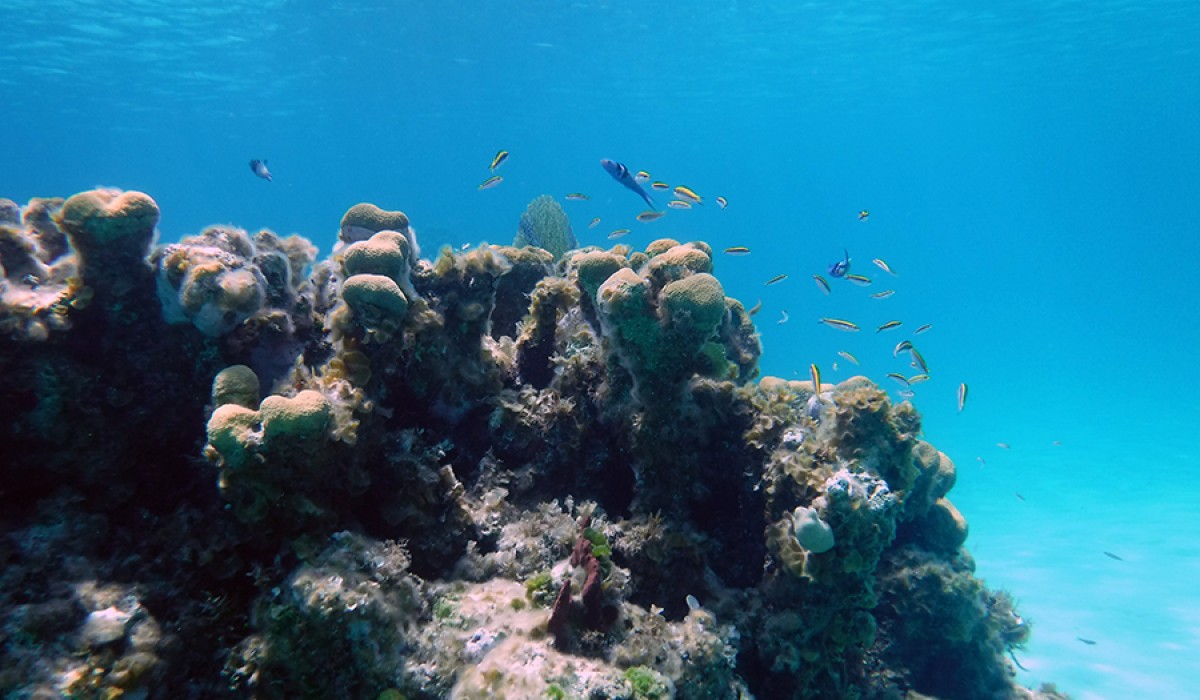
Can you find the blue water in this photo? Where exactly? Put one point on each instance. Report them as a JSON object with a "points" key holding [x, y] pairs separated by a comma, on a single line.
{"points": [[1031, 172]]}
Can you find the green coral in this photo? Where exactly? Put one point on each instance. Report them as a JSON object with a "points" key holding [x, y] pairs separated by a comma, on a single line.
{"points": [[371, 296], [648, 684], [236, 385], [545, 225]]}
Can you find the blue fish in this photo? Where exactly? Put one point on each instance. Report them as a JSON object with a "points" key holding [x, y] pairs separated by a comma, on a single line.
{"points": [[622, 175], [841, 267], [259, 167]]}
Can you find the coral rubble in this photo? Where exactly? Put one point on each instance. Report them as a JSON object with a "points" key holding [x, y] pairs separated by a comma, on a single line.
{"points": [[233, 471]]}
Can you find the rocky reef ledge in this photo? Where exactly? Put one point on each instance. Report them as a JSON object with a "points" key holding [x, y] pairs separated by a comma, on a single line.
{"points": [[232, 471]]}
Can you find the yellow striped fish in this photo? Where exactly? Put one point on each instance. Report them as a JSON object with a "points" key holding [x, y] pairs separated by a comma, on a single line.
{"points": [[501, 156], [918, 360], [618, 233], [888, 326], [659, 185], [860, 280], [737, 250], [884, 294], [962, 396], [884, 266], [822, 284], [775, 280], [687, 193], [594, 222], [679, 204], [899, 379], [815, 373], [848, 356], [839, 324], [491, 182], [651, 215], [923, 328]]}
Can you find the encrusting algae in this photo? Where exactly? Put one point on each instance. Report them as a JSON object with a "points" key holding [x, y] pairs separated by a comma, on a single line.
{"points": [[507, 472]]}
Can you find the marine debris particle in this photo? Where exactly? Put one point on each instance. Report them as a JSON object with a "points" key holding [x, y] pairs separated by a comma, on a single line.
{"points": [[425, 473]]}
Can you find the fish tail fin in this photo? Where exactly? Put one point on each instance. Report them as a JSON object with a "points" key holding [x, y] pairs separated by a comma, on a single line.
{"points": [[649, 200]]}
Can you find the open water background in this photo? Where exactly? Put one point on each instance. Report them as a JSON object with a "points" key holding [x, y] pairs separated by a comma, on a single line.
{"points": [[1030, 168]]}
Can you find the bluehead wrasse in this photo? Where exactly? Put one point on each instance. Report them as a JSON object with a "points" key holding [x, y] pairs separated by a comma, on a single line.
{"points": [[906, 393], [679, 204], [922, 329], [618, 233], [594, 222], [839, 324], [722, 202], [1110, 555], [775, 280], [901, 347], [737, 250], [755, 309], [1089, 642], [259, 168], [648, 216], [884, 294], [962, 396], [577, 196], [622, 175], [899, 379], [815, 373], [918, 378], [860, 280], [1020, 497], [848, 356], [884, 266], [1004, 445], [659, 185], [642, 176], [501, 156], [783, 318], [862, 215], [687, 193], [918, 360], [841, 267], [888, 326], [822, 284], [491, 182]]}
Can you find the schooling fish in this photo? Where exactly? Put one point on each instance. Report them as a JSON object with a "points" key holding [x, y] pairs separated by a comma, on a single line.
{"points": [[821, 283], [775, 280], [848, 356], [839, 324], [860, 280], [1110, 555], [862, 215], [755, 309], [648, 216], [642, 176], [259, 168], [841, 267], [687, 193], [622, 175], [888, 326], [922, 329], [783, 318], [577, 196], [737, 250], [962, 396], [501, 156], [722, 202], [491, 182], [594, 222]]}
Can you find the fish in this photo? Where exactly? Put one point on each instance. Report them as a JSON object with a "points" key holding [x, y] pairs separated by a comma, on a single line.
{"points": [[962, 396], [722, 202], [1004, 445], [1089, 642], [737, 250], [594, 222], [815, 373], [982, 463], [888, 326], [755, 309], [918, 360], [648, 216], [922, 329], [783, 318], [822, 284], [642, 176], [862, 215], [577, 196], [860, 280], [841, 267], [659, 185], [1019, 496], [899, 379], [1056, 443], [619, 232], [835, 367], [687, 193], [259, 168], [848, 356], [906, 393], [884, 294], [839, 324], [884, 266], [679, 204], [622, 175], [491, 182], [918, 378], [775, 280], [1110, 555], [501, 156], [901, 347]]}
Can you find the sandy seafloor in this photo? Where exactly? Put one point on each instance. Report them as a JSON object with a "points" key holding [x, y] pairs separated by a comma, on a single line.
{"points": [[1030, 171]]}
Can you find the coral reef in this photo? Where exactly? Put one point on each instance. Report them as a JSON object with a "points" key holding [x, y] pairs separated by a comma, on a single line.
{"points": [[518, 471]]}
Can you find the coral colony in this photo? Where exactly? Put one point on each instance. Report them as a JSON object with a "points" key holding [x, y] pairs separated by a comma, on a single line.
{"points": [[514, 472]]}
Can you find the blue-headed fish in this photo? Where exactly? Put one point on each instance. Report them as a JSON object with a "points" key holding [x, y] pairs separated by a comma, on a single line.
{"points": [[259, 168], [622, 175], [841, 267]]}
